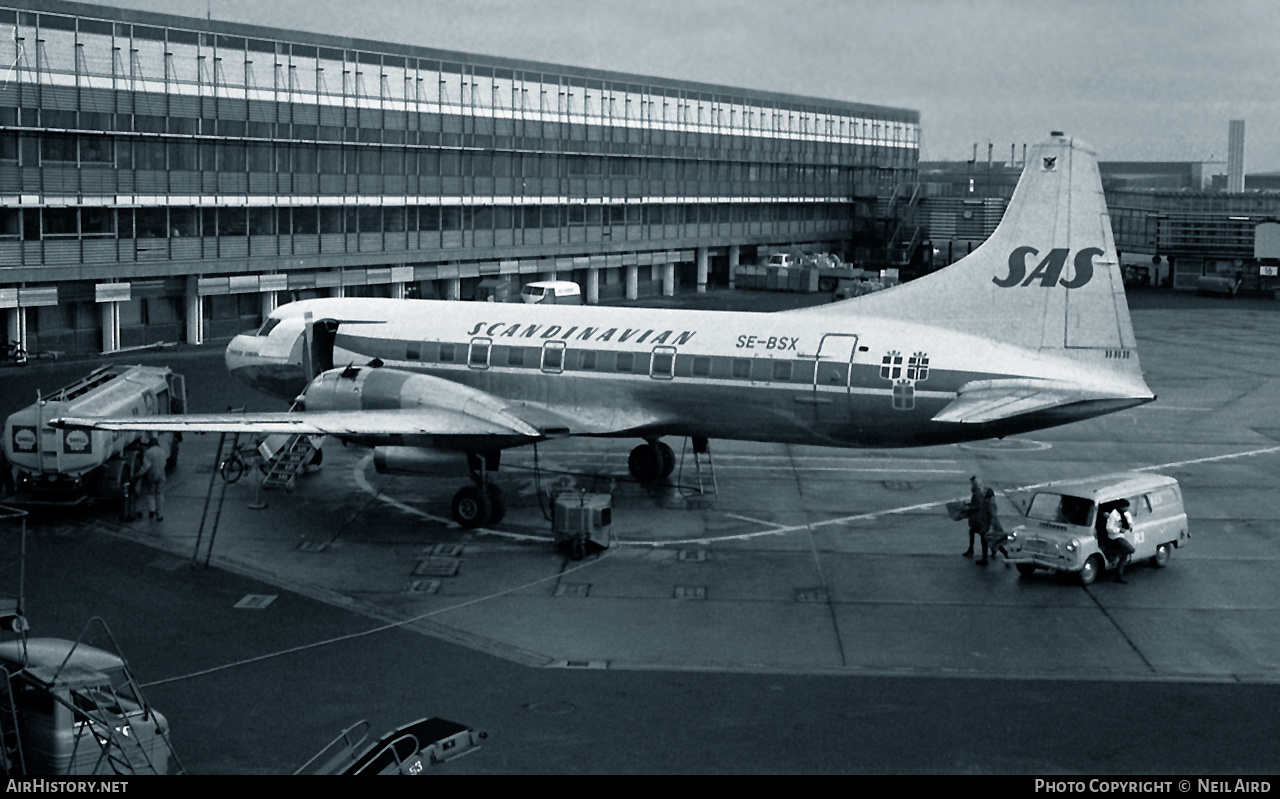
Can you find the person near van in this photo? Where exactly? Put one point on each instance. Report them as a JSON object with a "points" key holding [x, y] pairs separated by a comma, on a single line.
{"points": [[153, 460], [1118, 546], [973, 509], [992, 532]]}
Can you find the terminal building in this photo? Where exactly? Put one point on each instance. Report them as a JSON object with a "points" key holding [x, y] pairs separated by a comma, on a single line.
{"points": [[1176, 224], [167, 178]]}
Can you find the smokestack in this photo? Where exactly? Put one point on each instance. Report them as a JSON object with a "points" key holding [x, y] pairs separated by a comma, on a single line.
{"points": [[1013, 154], [1235, 156]]}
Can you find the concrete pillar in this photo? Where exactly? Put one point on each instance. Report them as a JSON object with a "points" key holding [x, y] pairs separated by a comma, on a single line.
{"points": [[270, 300], [734, 255], [633, 281], [195, 312], [668, 280], [548, 276], [593, 285], [110, 326], [397, 291], [453, 288], [16, 326], [702, 270]]}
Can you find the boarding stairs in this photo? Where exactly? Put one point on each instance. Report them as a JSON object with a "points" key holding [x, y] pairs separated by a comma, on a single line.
{"points": [[291, 461], [406, 750]]}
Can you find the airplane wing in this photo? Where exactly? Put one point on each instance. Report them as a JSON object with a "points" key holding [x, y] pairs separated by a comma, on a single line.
{"points": [[409, 421], [992, 400], [427, 406]]}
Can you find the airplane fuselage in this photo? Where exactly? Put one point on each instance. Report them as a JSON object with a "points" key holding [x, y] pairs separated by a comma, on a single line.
{"points": [[789, 377]]}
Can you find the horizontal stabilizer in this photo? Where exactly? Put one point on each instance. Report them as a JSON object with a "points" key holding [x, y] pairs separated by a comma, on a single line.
{"points": [[992, 400]]}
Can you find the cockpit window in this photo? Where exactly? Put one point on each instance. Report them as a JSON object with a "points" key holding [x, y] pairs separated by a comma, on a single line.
{"points": [[268, 326]]}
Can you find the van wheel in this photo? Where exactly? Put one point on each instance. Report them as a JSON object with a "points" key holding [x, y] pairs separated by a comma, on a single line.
{"points": [[1089, 572], [1161, 558], [1026, 569]]}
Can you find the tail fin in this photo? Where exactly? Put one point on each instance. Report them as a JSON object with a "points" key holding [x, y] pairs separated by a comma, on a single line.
{"points": [[1047, 278]]}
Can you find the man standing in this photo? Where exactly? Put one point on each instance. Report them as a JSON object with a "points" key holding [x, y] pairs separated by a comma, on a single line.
{"points": [[1119, 524], [153, 460], [974, 509]]}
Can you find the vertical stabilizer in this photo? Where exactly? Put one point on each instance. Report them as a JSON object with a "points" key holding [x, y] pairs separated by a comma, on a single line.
{"points": [[1048, 278]]}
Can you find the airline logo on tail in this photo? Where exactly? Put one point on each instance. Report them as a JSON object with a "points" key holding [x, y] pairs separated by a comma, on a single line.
{"points": [[1049, 270]]}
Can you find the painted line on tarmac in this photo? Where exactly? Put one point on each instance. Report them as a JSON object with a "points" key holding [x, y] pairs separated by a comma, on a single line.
{"points": [[776, 529], [773, 529]]}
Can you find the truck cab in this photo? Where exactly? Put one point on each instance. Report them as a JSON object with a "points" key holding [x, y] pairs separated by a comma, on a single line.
{"points": [[1065, 524], [76, 710], [53, 466]]}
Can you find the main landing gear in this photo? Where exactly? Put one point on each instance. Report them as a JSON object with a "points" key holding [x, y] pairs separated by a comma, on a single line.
{"points": [[479, 504], [651, 461]]}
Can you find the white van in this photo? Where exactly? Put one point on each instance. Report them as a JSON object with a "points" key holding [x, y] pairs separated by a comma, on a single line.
{"points": [[1067, 521], [552, 292]]}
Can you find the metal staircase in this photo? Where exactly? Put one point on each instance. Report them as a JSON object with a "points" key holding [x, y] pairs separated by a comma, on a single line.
{"points": [[292, 459]]}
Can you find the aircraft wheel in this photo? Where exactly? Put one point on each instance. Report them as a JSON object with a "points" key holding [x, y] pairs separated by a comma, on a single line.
{"points": [[1089, 572], [1161, 558], [1026, 569], [646, 463], [668, 459], [471, 507], [826, 284], [498, 508]]}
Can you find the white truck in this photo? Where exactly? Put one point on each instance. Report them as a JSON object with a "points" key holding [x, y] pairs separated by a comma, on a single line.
{"points": [[68, 467]]}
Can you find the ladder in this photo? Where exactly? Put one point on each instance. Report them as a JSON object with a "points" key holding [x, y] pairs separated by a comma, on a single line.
{"points": [[704, 469], [289, 462], [11, 760], [223, 454], [100, 722]]}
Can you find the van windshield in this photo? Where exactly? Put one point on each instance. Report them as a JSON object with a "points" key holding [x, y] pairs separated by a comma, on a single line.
{"points": [[1061, 508]]}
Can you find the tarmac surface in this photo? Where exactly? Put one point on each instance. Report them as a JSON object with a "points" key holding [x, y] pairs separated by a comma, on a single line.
{"points": [[813, 616]]}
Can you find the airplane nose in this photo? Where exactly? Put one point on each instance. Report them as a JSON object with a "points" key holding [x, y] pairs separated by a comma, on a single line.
{"points": [[241, 355]]}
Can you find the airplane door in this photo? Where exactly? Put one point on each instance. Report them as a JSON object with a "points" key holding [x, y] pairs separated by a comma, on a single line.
{"points": [[831, 373]]}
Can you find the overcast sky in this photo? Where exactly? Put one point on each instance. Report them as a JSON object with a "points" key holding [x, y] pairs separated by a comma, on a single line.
{"points": [[1138, 79]]}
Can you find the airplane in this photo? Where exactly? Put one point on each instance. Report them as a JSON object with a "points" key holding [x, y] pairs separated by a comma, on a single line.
{"points": [[1029, 331]]}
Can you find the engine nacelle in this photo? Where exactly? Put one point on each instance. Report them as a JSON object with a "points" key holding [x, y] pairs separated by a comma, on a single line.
{"points": [[358, 388], [420, 461]]}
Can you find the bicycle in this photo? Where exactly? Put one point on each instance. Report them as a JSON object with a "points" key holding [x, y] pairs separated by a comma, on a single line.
{"points": [[234, 466], [15, 352]]}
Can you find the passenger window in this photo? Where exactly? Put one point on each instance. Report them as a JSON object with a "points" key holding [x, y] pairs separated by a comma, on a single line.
{"points": [[447, 353], [588, 360], [742, 368], [701, 366], [626, 360], [413, 351], [515, 356], [782, 371], [1142, 506]]}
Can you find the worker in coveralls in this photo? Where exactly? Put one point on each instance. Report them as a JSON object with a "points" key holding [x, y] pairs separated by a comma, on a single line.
{"points": [[153, 460]]}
